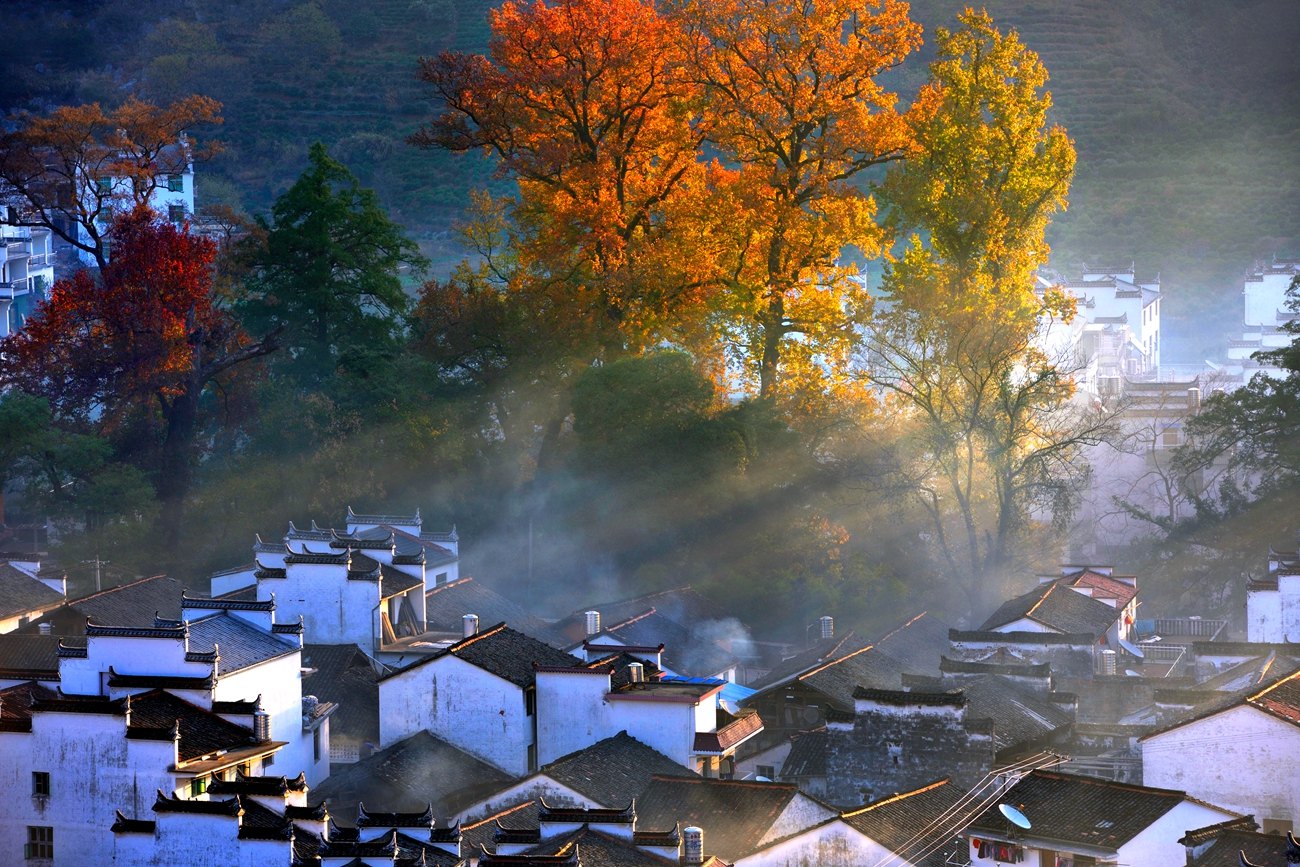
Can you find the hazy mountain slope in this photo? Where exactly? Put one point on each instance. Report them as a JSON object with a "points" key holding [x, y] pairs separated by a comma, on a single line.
{"points": [[1185, 112]]}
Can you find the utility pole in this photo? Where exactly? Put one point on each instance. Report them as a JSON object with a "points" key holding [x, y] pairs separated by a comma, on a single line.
{"points": [[98, 564]]}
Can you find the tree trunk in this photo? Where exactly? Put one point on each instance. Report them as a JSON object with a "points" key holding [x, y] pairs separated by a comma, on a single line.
{"points": [[176, 469]]}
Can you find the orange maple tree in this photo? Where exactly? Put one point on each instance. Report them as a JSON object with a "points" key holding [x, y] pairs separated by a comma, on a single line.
{"points": [[792, 100], [136, 348], [583, 104]]}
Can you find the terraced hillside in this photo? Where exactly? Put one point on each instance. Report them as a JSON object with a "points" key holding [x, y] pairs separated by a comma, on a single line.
{"points": [[1185, 112]]}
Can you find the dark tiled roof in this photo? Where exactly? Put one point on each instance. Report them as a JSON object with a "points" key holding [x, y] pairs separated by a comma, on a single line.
{"points": [[409, 775], [16, 702], [396, 847], [807, 757], [917, 643], [446, 604], [1018, 715], [20, 593], [904, 823], [821, 652], [1058, 607], [241, 644], [396, 581], [595, 848], [1082, 810], [838, 679], [29, 653], [735, 815], [682, 605], [202, 732], [136, 602], [1263, 849], [482, 832], [613, 771], [1280, 697], [345, 676], [243, 784], [505, 652]]}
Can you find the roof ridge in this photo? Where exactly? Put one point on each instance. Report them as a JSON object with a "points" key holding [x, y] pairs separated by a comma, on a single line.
{"points": [[1272, 686], [633, 619], [894, 798], [464, 579], [674, 778], [117, 588], [835, 661], [1113, 784], [495, 816]]}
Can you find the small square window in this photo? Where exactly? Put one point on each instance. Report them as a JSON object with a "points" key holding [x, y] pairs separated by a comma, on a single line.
{"points": [[105, 185], [176, 183], [40, 842], [268, 760], [176, 213], [766, 771], [198, 786], [41, 784]]}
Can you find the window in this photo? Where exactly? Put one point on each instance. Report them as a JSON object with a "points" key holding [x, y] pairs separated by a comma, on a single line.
{"points": [[440, 578], [268, 760], [532, 757], [40, 842], [41, 784], [768, 771], [530, 701], [198, 786], [176, 213], [105, 185], [246, 769], [175, 183], [315, 745]]}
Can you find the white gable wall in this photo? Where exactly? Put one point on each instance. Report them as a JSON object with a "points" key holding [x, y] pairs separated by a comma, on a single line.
{"points": [[1158, 844], [833, 844], [473, 710], [1241, 759]]}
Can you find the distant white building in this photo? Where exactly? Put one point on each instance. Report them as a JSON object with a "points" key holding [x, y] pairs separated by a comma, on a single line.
{"points": [[1115, 332], [171, 707], [172, 198], [1273, 601], [25, 594], [26, 273], [1264, 317]]}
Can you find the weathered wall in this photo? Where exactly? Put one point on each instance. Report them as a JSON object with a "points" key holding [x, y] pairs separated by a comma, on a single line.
{"points": [[1241, 759]]}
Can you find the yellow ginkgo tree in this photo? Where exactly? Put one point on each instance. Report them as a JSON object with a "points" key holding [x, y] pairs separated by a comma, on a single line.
{"points": [[994, 440]]}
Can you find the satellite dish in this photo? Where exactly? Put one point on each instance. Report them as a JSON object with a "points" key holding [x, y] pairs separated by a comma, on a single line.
{"points": [[1014, 816]]}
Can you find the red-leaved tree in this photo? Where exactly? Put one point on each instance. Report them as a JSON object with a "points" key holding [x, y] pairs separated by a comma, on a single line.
{"points": [[134, 353]]}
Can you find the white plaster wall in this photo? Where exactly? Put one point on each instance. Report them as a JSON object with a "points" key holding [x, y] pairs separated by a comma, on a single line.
{"points": [[802, 812], [1288, 588], [1158, 844], [775, 756], [93, 769], [464, 705], [1263, 298], [279, 683], [668, 727], [834, 844], [1264, 616], [1024, 624], [334, 609], [1241, 759], [572, 713], [528, 789]]}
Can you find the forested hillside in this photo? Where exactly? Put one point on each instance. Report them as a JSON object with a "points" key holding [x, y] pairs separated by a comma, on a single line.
{"points": [[1185, 114]]}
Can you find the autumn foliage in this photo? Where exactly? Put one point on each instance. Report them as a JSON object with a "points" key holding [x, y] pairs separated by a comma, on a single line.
{"points": [[136, 349]]}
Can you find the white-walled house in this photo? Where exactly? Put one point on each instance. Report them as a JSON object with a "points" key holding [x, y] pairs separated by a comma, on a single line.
{"points": [[1240, 756], [170, 707], [364, 585], [478, 694], [899, 830], [172, 197], [1084, 820], [1273, 601]]}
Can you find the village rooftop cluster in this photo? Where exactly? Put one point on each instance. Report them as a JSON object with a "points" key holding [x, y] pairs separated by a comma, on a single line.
{"points": [[347, 697]]}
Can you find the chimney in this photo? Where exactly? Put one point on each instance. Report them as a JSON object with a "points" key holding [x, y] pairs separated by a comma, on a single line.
{"points": [[261, 725], [693, 845], [1193, 400], [828, 626], [46, 629], [593, 622], [470, 622], [636, 672]]}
